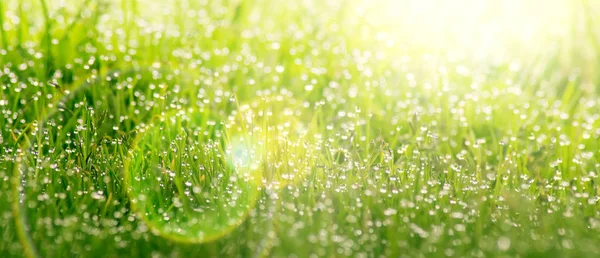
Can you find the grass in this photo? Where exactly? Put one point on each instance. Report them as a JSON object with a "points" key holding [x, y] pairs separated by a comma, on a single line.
{"points": [[297, 129]]}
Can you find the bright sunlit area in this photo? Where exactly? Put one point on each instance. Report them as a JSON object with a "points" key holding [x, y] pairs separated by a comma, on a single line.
{"points": [[308, 128]]}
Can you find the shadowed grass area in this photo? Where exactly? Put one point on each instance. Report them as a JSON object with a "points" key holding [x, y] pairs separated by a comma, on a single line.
{"points": [[140, 128]]}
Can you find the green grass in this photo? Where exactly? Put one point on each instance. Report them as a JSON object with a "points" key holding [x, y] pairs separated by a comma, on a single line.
{"points": [[140, 128]]}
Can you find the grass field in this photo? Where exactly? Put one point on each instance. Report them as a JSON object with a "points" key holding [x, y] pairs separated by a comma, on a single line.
{"points": [[260, 128]]}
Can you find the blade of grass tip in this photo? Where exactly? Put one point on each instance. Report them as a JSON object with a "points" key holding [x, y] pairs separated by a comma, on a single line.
{"points": [[125, 20], [47, 38], [2, 32], [20, 29], [20, 215]]}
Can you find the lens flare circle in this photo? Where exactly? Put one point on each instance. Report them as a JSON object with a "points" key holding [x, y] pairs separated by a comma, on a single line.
{"points": [[184, 182]]}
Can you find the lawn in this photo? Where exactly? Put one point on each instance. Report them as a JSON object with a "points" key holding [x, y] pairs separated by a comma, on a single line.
{"points": [[308, 128]]}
